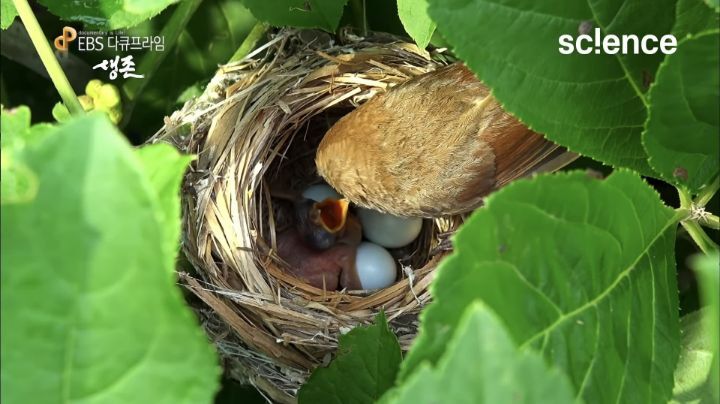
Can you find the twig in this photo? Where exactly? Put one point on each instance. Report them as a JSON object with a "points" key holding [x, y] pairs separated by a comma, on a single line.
{"points": [[707, 193], [706, 244], [57, 76], [250, 41], [358, 9]]}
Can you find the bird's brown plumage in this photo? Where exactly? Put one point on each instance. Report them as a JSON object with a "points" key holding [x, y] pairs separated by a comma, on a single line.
{"points": [[433, 146]]}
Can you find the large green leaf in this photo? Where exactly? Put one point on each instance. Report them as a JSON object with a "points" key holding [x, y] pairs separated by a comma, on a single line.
{"points": [[482, 365], [18, 183], [90, 309], [164, 166], [707, 268], [579, 268], [16, 131], [415, 19], [681, 135], [323, 14], [594, 104], [7, 13], [14, 126], [107, 14], [365, 367], [693, 383]]}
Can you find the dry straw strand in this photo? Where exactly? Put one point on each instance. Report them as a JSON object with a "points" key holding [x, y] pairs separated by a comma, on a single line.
{"points": [[258, 120]]}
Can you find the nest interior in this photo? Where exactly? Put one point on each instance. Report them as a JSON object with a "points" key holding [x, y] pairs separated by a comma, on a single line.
{"points": [[254, 131]]}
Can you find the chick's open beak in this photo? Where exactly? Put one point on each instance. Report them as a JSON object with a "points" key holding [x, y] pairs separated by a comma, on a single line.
{"points": [[331, 214]]}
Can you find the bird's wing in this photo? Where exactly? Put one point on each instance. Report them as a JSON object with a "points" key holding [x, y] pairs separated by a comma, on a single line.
{"points": [[435, 145]]}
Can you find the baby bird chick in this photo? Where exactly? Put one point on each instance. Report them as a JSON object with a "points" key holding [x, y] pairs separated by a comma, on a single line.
{"points": [[321, 224], [322, 246]]}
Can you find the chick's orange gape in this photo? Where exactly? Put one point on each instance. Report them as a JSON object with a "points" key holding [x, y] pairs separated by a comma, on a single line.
{"points": [[332, 213], [433, 146]]}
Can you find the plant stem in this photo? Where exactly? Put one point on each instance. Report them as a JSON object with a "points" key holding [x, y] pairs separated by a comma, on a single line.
{"points": [[685, 198], [693, 228], [151, 61], [708, 192], [250, 41], [358, 9], [60, 81], [706, 244], [710, 221]]}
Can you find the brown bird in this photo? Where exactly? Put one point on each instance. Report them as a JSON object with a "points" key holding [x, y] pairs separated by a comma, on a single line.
{"points": [[321, 248], [435, 145]]}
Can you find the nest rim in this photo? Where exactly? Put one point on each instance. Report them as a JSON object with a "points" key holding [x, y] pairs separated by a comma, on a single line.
{"points": [[270, 327]]}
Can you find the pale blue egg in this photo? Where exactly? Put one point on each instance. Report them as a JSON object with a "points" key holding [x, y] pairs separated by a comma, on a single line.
{"points": [[375, 266], [320, 192], [388, 230]]}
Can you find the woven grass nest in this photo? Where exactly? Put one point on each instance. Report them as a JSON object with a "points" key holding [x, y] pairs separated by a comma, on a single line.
{"points": [[255, 131]]}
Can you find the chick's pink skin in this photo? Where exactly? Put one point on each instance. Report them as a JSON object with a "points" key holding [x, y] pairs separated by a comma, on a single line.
{"points": [[321, 269]]}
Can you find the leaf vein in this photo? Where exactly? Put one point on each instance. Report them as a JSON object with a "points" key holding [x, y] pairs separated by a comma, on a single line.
{"points": [[627, 355], [605, 293], [629, 78], [586, 376]]}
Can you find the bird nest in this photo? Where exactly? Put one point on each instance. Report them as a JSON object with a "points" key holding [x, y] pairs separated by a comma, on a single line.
{"points": [[255, 130]]}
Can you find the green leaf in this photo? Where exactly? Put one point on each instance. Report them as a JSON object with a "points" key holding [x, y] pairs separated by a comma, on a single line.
{"points": [[681, 135], [417, 22], [365, 367], [323, 14], [164, 167], [60, 112], [693, 383], [707, 268], [18, 183], [582, 270], [7, 13], [90, 310], [14, 126], [482, 365], [16, 131], [693, 17], [107, 14], [594, 104]]}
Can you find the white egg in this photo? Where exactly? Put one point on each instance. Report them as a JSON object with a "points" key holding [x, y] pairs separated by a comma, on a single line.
{"points": [[375, 266], [388, 230], [320, 192]]}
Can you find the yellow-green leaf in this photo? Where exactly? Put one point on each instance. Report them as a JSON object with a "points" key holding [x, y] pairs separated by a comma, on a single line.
{"points": [[91, 311], [483, 365], [414, 17]]}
